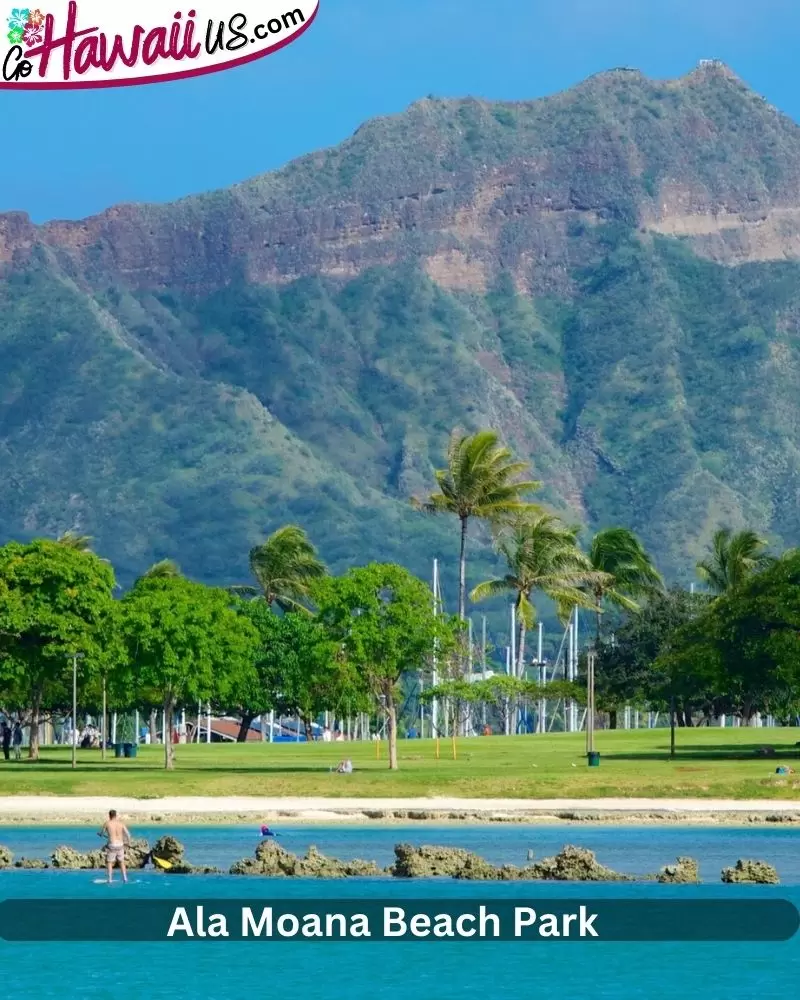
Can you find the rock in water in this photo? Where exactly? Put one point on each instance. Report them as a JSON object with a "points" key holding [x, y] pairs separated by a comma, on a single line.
{"points": [[68, 857], [169, 849], [477, 869], [6, 857], [30, 863], [273, 860], [137, 853], [270, 859], [184, 868], [431, 862], [573, 864], [751, 871], [246, 866], [317, 865], [683, 871]]}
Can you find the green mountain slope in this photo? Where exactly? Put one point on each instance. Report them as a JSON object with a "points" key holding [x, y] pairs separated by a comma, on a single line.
{"points": [[608, 276]]}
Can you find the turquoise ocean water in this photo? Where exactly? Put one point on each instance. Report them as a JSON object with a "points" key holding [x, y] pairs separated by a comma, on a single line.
{"points": [[425, 970]]}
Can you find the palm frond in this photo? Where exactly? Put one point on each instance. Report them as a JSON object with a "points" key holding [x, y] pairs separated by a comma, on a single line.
{"points": [[734, 557], [286, 566], [72, 540], [166, 569], [481, 479]]}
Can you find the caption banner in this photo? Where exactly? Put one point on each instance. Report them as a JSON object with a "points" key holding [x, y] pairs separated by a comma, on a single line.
{"points": [[398, 920]]}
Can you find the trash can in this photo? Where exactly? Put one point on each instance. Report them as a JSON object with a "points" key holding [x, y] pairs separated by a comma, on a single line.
{"points": [[127, 749], [594, 758], [119, 750], [131, 750]]}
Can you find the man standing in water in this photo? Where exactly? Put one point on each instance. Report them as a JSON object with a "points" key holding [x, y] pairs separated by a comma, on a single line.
{"points": [[118, 838]]}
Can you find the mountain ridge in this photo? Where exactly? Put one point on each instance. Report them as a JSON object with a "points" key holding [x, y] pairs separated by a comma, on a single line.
{"points": [[606, 275]]}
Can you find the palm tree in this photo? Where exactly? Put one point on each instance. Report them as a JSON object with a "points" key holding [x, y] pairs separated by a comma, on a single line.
{"points": [[72, 540], [164, 569], [542, 554], [734, 557], [625, 570], [481, 480], [286, 567]]}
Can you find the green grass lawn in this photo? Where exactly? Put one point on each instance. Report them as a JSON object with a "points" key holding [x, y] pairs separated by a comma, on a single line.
{"points": [[709, 763]]}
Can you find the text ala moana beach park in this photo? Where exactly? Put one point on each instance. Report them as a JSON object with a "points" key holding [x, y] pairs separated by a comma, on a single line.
{"points": [[392, 921]]}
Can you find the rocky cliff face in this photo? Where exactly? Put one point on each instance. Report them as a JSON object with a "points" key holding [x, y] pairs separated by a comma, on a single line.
{"points": [[608, 275]]}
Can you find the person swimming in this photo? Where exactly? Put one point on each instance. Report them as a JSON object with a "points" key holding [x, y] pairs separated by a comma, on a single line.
{"points": [[266, 832]]}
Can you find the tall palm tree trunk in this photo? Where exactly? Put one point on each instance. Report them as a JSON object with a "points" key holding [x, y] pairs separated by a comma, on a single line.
{"points": [[598, 596], [462, 572], [520, 642], [462, 595], [520, 665]]}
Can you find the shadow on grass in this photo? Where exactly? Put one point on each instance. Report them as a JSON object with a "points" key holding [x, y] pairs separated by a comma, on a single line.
{"points": [[703, 753], [57, 767]]}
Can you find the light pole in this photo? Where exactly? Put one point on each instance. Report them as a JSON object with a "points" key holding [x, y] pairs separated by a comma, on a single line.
{"points": [[590, 704], [75, 658]]}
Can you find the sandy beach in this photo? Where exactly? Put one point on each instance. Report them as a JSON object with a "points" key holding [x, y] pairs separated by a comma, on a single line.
{"points": [[48, 810]]}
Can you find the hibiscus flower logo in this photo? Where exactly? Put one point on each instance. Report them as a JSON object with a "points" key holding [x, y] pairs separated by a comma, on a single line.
{"points": [[26, 26], [19, 18], [33, 34]]}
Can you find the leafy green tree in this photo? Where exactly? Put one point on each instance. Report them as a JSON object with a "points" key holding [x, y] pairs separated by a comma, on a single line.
{"points": [[628, 665], [296, 670], [316, 675], [184, 642], [482, 481], [541, 554], [286, 567], [734, 557], [624, 571], [55, 600], [382, 618], [747, 643]]}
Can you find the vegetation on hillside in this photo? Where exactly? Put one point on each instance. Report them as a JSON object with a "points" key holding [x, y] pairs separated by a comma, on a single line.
{"points": [[182, 381]]}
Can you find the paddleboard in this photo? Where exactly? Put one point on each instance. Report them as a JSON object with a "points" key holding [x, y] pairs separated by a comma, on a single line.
{"points": [[117, 881]]}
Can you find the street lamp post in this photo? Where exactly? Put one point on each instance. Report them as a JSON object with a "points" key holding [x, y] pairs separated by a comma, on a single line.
{"points": [[590, 664], [75, 658]]}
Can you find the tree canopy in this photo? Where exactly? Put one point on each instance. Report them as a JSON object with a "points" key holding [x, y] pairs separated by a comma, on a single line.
{"points": [[182, 638], [383, 619]]}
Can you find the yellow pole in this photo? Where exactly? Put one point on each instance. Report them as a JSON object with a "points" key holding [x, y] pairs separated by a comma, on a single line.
{"points": [[455, 754], [437, 747], [377, 749]]}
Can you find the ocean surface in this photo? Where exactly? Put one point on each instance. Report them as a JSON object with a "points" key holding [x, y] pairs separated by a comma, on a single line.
{"points": [[428, 970]]}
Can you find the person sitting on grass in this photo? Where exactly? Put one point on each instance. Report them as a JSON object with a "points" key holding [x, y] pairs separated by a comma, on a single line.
{"points": [[345, 766]]}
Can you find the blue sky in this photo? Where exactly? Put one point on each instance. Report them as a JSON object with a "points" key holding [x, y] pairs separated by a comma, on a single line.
{"points": [[66, 155]]}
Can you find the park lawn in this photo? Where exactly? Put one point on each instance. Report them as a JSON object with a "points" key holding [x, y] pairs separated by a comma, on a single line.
{"points": [[709, 763]]}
